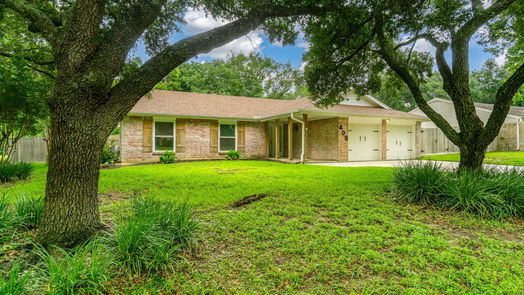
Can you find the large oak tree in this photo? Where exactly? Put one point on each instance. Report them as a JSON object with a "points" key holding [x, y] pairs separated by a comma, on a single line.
{"points": [[90, 41], [354, 46]]}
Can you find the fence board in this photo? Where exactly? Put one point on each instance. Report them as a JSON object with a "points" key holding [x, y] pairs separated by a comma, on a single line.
{"points": [[435, 142], [30, 150]]}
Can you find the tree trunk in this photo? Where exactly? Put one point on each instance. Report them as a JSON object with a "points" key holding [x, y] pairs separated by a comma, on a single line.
{"points": [[471, 157], [70, 215]]}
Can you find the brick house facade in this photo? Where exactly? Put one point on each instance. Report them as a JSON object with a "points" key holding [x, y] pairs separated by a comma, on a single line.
{"points": [[194, 126]]}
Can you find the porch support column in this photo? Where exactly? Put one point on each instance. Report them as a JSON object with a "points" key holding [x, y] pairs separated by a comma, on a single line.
{"points": [[289, 138], [304, 118], [266, 138], [384, 140], [277, 138]]}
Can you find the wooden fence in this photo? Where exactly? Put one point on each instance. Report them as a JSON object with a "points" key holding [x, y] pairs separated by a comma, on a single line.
{"points": [[435, 142], [30, 150]]}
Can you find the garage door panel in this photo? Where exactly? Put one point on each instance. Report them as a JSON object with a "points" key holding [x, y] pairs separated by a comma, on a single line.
{"points": [[363, 142], [400, 142]]}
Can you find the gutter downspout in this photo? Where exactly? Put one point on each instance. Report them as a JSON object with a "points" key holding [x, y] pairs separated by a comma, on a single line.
{"points": [[302, 160]]}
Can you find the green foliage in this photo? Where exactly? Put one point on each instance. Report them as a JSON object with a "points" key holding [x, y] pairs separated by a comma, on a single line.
{"points": [[8, 219], [500, 158], [14, 281], [23, 90], [150, 237], [470, 192], [421, 183], [10, 171], [168, 158], [29, 210], [233, 155], [108, 156], [346, 52], [82, 270], [7, 172], [493, 194], [336, 223], [23, 170], [239, 75]]}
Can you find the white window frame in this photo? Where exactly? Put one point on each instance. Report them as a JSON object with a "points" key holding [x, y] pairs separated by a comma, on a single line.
{"points": [[160, 120], [220, 135]]}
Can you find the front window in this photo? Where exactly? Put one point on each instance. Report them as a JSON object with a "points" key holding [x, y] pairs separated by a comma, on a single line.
{"points": [[227, 137], [164, 136]]}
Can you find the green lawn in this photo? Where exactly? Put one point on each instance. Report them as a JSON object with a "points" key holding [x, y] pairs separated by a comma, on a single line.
{"points": [[502, 158], [322, 230]]}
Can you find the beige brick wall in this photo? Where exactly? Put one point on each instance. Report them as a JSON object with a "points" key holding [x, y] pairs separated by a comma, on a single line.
{"points": [[255, 140], [322, 141], [507, 137], [131, 139], [197, 141]]}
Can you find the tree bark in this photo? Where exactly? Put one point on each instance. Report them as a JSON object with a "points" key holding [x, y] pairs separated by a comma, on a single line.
{"points": [[70, 215], [471, 157]]}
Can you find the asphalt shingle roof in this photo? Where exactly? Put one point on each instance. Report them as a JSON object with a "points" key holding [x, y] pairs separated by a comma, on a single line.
{"points": [[175, 103]]}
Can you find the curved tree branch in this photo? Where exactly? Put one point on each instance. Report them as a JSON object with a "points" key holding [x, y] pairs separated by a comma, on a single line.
{"points": [[387, 50], [502, 105], [37, 17], [127, 92], [481, 17]]}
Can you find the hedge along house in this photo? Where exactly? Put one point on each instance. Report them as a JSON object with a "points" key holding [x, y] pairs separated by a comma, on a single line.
{"points": [[206, 126], [510, 137]]}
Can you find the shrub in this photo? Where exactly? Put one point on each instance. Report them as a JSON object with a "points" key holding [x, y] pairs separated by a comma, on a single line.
{"points": [[83, 270], [23, 170], [14, 282], [29, 210], [233, 155], [168, 158], [472, 193], [419, 182], [495, 194], [9, 171], [108, 156], [8, 218], [153, 233], [509, 184]]}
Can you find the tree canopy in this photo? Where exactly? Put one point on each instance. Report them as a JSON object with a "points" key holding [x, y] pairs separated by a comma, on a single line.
{"points": [[355, 46], [239, 75]]}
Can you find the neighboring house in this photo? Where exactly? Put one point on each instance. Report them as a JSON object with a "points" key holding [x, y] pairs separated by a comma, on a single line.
{"points": [[206, 126], [510, 138]]}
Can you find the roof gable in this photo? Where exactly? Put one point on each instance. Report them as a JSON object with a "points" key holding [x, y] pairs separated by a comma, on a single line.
{"points": [[353, 99]]}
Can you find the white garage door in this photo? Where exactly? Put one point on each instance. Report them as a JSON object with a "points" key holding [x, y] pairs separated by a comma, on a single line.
{"points": [[400, 142], [364, 142]]}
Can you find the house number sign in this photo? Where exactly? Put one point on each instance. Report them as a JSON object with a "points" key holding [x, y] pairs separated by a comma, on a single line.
{"points": [[341, 128]]}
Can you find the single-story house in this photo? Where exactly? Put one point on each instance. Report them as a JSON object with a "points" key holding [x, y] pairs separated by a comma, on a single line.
{"points": [[206, 126], [510, 138]]}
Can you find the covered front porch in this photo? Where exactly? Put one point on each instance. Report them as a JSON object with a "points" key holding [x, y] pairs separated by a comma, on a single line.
{"points": [[303, 137]]}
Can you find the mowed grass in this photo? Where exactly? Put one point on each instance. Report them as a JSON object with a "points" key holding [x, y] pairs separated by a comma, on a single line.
{"points": [[501, 158], [321, 230]]}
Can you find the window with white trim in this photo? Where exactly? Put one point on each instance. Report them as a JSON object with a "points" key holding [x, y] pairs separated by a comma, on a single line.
{"points": [[227, 137], [164, 137]]}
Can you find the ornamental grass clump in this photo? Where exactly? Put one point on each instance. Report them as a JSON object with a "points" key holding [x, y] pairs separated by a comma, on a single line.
{"points": [[420, 183], [489, 194], [28, 210], [14, 281], [152, 233], [83, 270]]}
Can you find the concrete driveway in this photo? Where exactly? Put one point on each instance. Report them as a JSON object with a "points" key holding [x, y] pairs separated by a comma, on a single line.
{"points": [[445, 165]]}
